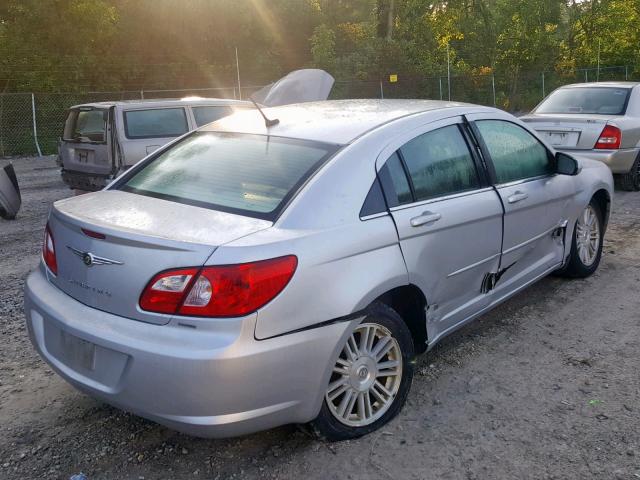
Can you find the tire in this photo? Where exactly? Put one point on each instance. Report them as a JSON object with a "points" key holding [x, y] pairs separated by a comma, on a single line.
{"points": [[384, 329], [579, 265], [630, 181]]}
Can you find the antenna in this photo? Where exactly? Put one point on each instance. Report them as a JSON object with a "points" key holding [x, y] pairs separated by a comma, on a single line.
{"points": [[267, 121]]}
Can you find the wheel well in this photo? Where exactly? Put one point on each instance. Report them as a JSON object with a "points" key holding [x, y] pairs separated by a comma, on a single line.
{"points": [[604, 201], [409, 302]]}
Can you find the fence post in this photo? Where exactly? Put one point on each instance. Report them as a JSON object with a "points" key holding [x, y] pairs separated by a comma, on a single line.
{"points": [[381, 91], [35, 127], [141, 94], [626, 72], [543, 94], [586, 75], [493, 88], [440, 83]]}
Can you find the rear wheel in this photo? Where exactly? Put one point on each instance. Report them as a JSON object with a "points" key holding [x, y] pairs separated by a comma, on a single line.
{"points": [[371, 377], [630, 181], [586, 247]]}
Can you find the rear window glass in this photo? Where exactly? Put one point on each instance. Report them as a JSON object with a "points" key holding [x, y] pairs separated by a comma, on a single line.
{"points": [[593, 100], [253, 175], [204, 115], [86, 125], [155, 123]]}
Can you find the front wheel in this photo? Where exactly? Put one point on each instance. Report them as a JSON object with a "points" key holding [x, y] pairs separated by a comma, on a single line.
{"points": [[371, 377], [586, 247]]}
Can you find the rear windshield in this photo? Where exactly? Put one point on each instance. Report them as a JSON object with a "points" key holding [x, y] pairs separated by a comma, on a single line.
{"points": [[593, 100], [86, 125], [155, 123], [253, 175]]}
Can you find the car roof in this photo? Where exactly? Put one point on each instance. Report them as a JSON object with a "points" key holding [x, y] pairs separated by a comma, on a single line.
{"points": [[163, 102], [602, 84], [331, 121]]}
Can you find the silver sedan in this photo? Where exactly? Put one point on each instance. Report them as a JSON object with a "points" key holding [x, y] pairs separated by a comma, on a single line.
{"points": [[597, 120], [255, 273]]}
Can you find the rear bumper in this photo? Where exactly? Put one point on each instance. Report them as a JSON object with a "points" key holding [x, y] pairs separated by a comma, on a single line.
{"points": [[85, 181], [198, 381], [619, 161]]}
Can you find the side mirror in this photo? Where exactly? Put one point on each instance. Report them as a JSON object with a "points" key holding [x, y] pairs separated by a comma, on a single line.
{"points": [[566, 164]]}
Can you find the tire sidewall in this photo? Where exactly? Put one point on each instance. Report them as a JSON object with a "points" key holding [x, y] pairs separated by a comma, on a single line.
{"points": [[576, 267], [329, 427]]}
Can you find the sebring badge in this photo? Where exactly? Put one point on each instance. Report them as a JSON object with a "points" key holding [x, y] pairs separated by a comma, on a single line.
{"points": [[89, 259]]}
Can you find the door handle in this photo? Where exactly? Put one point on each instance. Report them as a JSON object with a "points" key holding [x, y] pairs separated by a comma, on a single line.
{"points": [[425, 218], [518, 197]]}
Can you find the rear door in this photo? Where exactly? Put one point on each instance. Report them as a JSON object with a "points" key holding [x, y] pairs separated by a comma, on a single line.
{"points": [[86, 141], [144, 130], [535, 200], [449, 220]]}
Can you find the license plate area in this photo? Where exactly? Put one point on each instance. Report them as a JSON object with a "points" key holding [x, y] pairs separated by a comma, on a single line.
{"points": [[76, 352], [561, 139], [84, 156]]}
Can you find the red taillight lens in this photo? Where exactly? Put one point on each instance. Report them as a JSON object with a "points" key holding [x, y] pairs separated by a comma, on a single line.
{"points": [[610, 138], [49, 251], [219, 291]]}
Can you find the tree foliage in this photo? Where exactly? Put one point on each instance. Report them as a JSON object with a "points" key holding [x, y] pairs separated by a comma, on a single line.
{"points": [[132, 44]]}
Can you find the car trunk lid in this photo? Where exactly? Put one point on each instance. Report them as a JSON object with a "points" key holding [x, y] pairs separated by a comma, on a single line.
{"points": [[569, 131], [109, 245]]}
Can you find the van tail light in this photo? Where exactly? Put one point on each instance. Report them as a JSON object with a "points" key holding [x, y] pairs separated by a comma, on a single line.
{"points": [[49, 251], [610, 138], [218, 291]]}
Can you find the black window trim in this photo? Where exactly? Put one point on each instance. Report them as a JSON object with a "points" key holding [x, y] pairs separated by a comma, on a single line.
{"points": [[141, 137], [491, 169], [272, 216]]}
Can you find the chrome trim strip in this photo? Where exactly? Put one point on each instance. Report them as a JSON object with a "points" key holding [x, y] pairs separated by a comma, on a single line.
{"points": [[532, 239], [473, 265], [440, 199], [524, 180]]}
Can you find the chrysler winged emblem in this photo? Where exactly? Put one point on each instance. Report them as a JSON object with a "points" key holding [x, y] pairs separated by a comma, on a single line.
{"points": [[89, 259]]}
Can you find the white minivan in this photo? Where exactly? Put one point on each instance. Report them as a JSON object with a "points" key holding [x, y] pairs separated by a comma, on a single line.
{"points": [[102, 139]]}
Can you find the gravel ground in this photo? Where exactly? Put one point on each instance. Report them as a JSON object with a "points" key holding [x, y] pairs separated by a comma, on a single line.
{"points": [[545, 386]]}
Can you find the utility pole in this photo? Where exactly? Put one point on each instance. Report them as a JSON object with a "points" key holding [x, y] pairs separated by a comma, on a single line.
{"points": [[448, 72], [598, 71], [238, 71], [390, 20]]}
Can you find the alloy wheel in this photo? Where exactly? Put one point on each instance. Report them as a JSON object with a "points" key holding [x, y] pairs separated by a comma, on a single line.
{"points": [[366, 376], [588, 236]]}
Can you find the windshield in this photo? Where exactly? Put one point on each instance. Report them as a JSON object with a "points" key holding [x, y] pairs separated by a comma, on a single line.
{"points": [[253, 175], [594, 100], [86, 125]]}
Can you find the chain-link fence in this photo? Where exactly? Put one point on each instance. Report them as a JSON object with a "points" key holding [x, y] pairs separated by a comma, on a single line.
{"points": [[31, 124]]}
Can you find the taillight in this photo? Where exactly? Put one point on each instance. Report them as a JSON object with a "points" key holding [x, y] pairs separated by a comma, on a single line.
{"points": [[610, 138], [218, 291], [49, 251]]}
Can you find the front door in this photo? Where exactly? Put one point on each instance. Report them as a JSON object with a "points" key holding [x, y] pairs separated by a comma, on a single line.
{"points": [[534, 197], [449, 220]]}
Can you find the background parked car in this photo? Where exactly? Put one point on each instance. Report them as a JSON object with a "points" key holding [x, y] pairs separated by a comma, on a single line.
{"points": [[598, 120], [102, 139]]}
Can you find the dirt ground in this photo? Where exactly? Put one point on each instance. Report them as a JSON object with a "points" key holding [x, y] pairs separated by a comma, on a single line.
{"points": [[545, 387]]}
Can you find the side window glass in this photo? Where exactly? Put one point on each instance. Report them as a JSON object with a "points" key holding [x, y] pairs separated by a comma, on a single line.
{"points": [[440, 163], [516, 154], [204, 115], [394, 182], [155, 123]]}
